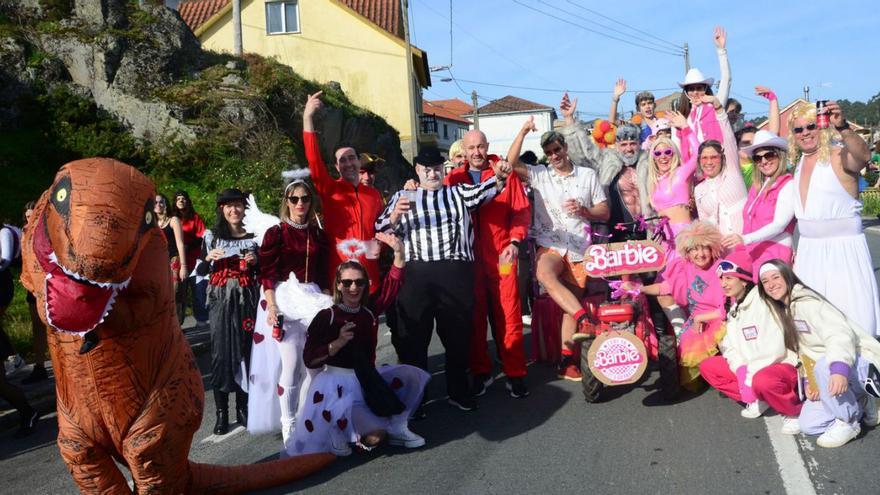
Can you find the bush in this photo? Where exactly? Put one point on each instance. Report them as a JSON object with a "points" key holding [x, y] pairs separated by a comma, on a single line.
{"points": [[870, 202]]}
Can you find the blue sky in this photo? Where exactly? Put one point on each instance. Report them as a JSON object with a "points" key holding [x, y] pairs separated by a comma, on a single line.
{"points": [[834, 47]]}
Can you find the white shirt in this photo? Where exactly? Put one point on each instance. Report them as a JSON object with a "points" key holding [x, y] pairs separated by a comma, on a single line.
{"points": [[553, 227]]}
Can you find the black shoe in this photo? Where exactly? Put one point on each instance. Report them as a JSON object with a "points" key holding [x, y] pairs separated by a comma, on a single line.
{"points": [[481, 384], [241, 415], [28, 423], [517, 387], [466, 403], [37, 375], [222, 425]]}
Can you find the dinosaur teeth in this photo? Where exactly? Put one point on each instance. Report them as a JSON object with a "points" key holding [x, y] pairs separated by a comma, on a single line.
{"points": [[72, 274]]}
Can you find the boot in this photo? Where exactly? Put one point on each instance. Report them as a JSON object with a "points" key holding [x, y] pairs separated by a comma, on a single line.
{"points": [[221, 402], [288, 400], [241, 408]]}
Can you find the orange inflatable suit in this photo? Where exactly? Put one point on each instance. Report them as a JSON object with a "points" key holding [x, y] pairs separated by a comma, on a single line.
{"points": [[128, 388]]}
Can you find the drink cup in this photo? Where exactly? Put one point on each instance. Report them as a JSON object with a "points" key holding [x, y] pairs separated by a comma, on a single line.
{"points": [[242, 262], [410, 195], [822, 118], [505, 267]]}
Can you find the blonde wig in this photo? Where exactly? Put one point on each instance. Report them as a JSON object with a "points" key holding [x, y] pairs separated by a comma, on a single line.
{"points": [[807, 111], [456, 148], [653, 174], [699, 234]]}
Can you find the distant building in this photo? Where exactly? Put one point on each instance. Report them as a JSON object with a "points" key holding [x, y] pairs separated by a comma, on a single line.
{"points": [[357, 43], [502, 119], [442, 123]]}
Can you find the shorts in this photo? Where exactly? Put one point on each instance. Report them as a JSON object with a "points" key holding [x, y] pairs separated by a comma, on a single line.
{"points": [[573, 272]]}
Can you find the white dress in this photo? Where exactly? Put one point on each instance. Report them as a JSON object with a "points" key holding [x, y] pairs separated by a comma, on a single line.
{"points": [[832, 253]]}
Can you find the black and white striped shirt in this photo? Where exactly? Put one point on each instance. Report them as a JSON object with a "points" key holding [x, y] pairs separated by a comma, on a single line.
{"points": [[438, 225]]}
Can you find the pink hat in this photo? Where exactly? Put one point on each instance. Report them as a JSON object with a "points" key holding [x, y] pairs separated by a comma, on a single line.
{"points": [[737, 264]]}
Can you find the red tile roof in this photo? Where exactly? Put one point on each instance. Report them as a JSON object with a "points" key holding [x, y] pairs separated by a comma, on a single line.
{"points": [[438, 109], [384, 13], [453, 105], [509, 104], [196, 12]]}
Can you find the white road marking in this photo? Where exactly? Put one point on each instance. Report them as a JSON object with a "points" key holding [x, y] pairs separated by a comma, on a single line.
{"points": [[219, 438], [795, 477]]}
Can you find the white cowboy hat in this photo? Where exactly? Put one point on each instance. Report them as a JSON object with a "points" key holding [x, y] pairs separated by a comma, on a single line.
{"points": [[766, 139], [694, 76]]}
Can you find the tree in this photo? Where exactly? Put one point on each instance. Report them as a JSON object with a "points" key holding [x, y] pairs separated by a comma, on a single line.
{"points": [[862, 113]]}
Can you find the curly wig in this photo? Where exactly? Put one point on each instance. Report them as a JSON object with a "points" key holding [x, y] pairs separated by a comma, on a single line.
{"points": [[699, 234], [807, 111]]}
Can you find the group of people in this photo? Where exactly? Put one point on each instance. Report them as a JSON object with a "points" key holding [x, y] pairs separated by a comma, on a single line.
{"points": [[294, 309]]}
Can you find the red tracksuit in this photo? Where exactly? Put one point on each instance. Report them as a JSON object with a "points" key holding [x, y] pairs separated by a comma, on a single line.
{"points": [[505, 217], [349, 212]]}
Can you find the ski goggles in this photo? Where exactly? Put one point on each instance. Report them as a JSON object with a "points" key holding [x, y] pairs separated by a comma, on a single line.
{"points": [[725, 267]]}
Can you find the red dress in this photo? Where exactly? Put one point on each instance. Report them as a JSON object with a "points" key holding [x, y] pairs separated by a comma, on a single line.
{"points": [[288, 249]]}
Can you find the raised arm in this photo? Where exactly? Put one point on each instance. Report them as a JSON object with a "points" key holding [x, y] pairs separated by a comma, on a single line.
{"points": [[721, 49], [516, 149], [731, 151], [474, 195], [689, 139], [856, 154], [318, 170], [619, 89], [773, 112]]}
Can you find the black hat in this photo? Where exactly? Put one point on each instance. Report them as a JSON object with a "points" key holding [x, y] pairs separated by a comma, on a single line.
{"points": [[429, 156], [230, 195]]}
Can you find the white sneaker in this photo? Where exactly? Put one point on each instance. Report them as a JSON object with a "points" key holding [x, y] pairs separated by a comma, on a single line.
{"points": [[870, 416], [839, 433], [754, 409], [405, 438], [341, 450], [790, 425]]}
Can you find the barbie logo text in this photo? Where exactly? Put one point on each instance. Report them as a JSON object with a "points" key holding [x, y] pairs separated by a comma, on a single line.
{"points": [[602, 260]]}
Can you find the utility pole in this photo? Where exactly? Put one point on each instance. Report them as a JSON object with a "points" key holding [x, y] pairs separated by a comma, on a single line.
{"points": [[806, 92], [687, 58], [476, 110], [236, 28], [414, 138]]}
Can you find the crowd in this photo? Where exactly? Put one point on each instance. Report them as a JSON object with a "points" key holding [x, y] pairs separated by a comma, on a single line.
{"points": [[765, 325]]}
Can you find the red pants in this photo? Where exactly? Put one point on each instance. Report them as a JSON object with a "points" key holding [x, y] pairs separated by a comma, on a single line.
{"points": [[775, 384], [497, 297]]}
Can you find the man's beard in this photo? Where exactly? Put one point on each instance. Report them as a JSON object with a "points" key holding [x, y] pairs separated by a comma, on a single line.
{"points": [[630, 160]]}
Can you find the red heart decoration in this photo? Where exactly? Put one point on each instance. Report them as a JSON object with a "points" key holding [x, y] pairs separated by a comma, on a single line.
{"points": [[342, 423], [326, 415], [309, 425], [318, 397], [396, 383], [263, 304], [339, 391], [280, 390], [258, 337]]}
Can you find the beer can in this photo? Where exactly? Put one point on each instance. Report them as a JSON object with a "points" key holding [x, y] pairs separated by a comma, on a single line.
{"points": [[822, 117], [242, 262]]}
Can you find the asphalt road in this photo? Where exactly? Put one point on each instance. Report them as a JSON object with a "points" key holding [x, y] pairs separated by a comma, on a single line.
{"points": [[551, 442]]}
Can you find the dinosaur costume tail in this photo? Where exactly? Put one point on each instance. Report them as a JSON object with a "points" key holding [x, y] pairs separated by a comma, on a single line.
{"points": [[213, 479]]}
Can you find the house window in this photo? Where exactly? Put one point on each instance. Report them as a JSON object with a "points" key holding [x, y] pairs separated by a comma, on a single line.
{"points": [[282, 17], [445, 131]]}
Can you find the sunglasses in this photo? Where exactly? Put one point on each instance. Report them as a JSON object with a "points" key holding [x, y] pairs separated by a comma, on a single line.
{"points": [[296, 199], [667, 152], [731, 267], [358, 282], [809, 127], [770, 155]]}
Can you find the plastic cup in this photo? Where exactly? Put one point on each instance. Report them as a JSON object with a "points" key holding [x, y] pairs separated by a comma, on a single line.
{"points": [[410, 195], [505, 267]]}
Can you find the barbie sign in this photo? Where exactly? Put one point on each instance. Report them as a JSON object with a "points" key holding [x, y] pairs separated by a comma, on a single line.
{"points": [[617, 358], [621, 258]]}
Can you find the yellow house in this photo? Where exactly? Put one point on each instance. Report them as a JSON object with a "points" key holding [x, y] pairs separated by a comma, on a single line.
{"points": [[357, 43]]}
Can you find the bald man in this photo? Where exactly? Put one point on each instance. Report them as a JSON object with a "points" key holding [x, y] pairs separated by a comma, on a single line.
{"points": [[499, 228]]}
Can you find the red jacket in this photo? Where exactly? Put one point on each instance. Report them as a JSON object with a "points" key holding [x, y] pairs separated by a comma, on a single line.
{"points": [[503, 218], [349, 211]]}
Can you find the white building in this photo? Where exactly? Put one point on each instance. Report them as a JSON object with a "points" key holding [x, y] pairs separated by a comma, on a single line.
{"points": [[502, 119], [442, 123]]}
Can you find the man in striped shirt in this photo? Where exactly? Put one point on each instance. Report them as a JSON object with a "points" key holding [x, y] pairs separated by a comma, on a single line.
{"points": [[435, 223]]}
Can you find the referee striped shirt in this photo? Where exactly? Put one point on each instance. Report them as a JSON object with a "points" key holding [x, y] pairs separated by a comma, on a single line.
{"points": [[438, 225]]}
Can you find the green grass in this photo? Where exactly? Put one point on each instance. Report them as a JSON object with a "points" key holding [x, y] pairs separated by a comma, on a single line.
{"points": [[17, 320]]}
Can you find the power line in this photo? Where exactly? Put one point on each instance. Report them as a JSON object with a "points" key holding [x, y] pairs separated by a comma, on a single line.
{"points": [[518, 2], [623, 24], [753, 100], [561, 90], [603, 26]]}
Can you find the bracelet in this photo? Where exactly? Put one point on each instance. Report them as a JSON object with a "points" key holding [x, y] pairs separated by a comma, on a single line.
{"points": [[843, 127], [330, 348], [515, 242]]}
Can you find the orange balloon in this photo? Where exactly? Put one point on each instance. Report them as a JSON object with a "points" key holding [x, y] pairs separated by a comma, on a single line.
{"points": [[598, 133], [609, 137], [605, 126]]}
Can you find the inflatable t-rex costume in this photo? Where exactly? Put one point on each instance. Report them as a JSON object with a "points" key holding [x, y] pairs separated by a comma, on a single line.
{"points": [[97, 263]]}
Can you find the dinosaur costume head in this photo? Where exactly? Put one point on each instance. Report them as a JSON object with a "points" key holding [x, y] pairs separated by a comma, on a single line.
{"points": [[85, 239]]}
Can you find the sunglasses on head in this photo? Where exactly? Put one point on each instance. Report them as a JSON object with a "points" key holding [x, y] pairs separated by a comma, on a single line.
{"points": [[725, 267], [809, 127], [358, 282], [667, 152], [770, 155], [296, 199]]}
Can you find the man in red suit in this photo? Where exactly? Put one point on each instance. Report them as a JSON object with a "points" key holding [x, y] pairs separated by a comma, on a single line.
{"points": [[350, 208], [500, 226]]}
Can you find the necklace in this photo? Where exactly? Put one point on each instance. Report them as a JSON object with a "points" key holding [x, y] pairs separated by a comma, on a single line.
{"points": [[810, 153], [297, 225], [349, 309]]}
